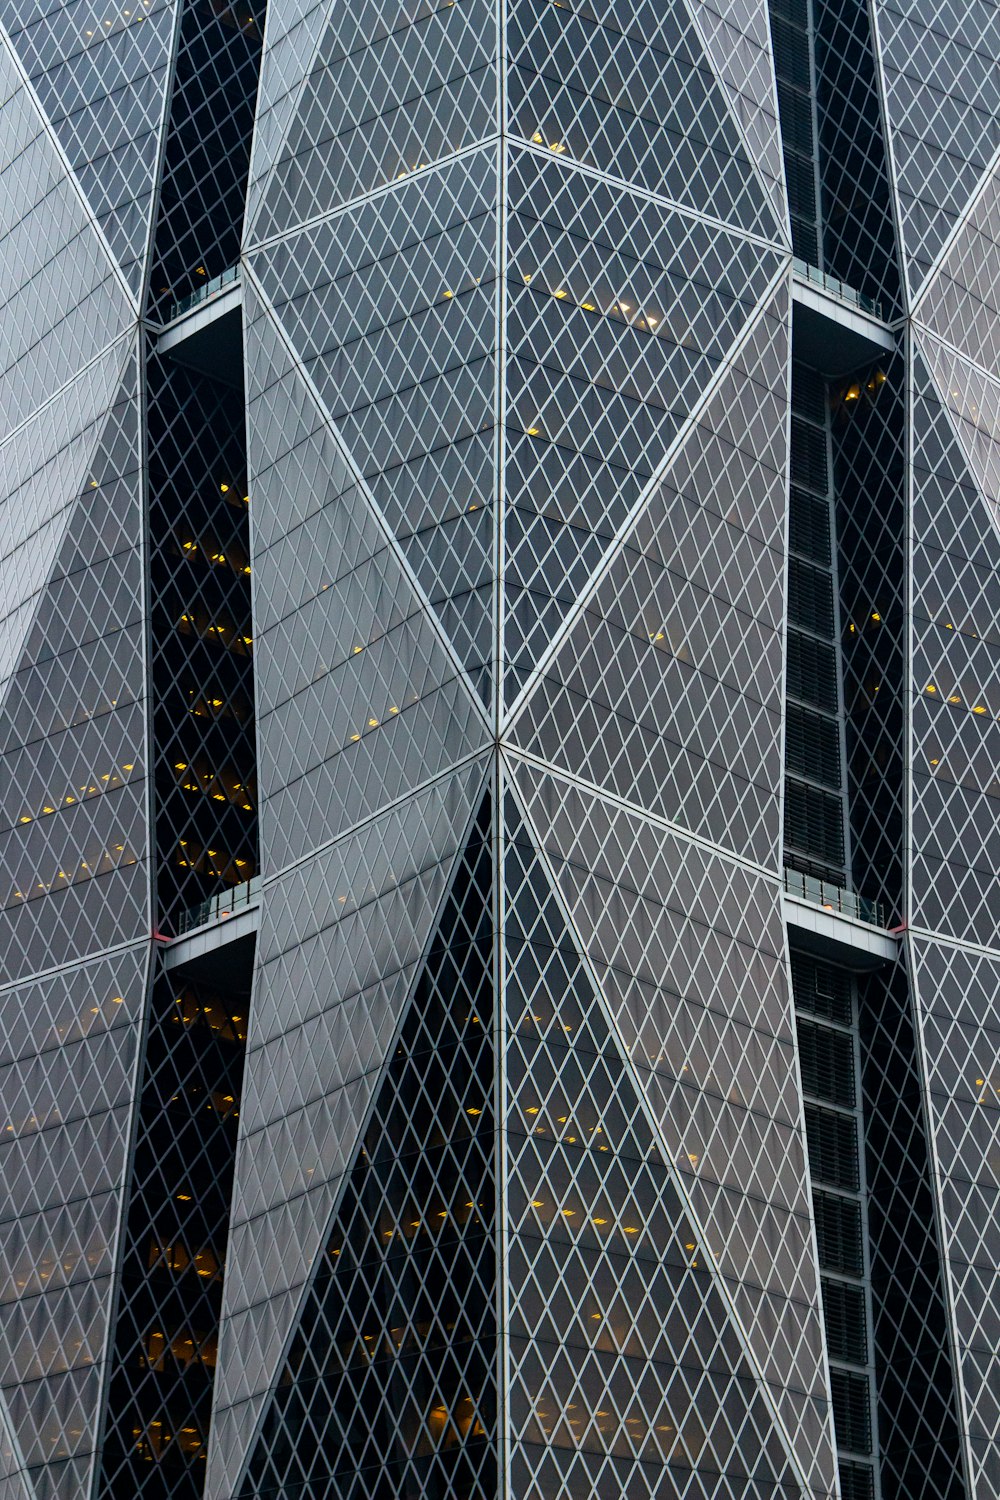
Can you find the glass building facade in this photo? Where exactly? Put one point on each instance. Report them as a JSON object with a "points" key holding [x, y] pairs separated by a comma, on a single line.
{"points": [[499, 652]]}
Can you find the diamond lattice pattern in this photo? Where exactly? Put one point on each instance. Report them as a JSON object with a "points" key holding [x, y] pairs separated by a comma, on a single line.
{"points": [[619, 313], [666, 691], [689, 953], [390, 1382], [341, 940], [956, 999], [73, 826], [100, 75], [67, 1064], [626, 1372], [942, 101]]}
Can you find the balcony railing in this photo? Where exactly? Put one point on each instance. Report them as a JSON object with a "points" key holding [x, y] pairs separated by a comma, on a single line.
{"points": [[834, 898], [229, 904], [206, 291], [836, 288]]}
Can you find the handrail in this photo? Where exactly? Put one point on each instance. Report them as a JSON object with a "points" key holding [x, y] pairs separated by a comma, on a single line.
{"points": [[218, 908], [208, 289], [834, 898], [836, 288]]}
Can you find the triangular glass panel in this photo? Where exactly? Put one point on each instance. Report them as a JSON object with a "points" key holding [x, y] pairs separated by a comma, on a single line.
{"points": [[43, 470], [100, 77], [961, 302], [942, 101], [738, 42], [73, 828], [620, 311], [626, 1366], [389, 1387], [667, 688], [399, 338], [293, 35], [63, 301], [626, 88], [342, 940], [688, 947], [67, 1071], [388, 93], [956, 624]]}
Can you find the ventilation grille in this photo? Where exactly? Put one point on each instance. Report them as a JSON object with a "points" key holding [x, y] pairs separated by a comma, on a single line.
{"points": [[821, 990], [808, 394], [833, 1148], [852, 1417], [808, 457], [814, 822], [809, 526], [857, 1481], [827, 1061], [795, 111], [838, 1234], [791, 52], [810, 597], [811, 671], [846, 1322], [812, 746]]}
